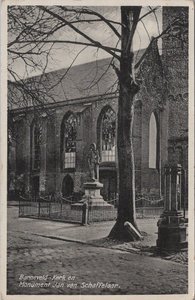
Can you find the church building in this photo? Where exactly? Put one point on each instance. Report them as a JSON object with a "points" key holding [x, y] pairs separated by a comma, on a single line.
{"points": [[48, 154]]}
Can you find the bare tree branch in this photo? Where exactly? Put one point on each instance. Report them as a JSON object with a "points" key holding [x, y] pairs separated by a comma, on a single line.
{"points": [[96, 43], [167, 30], [64, 75], [90, 12], [61, 42], [146, 30], [149, 12], [154, 13]]}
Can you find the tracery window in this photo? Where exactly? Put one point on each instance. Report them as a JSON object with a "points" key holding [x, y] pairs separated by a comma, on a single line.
{"points": [[69, 134], [36, 146], [108, 136]]}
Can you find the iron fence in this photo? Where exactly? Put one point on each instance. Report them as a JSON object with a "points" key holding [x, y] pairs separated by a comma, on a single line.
{"points": [[56, 211], [149, 200], [149, 206], [63, 210]]}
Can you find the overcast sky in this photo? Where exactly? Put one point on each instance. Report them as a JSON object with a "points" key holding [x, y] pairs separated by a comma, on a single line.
{"points": [[62, 55]]}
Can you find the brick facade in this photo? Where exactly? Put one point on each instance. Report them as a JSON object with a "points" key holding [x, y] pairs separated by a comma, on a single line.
{"points": [[175, 59]]}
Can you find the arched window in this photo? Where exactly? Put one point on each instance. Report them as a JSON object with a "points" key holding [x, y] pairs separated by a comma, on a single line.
{"points": [[108, 135], [69, 134], [36, 146], [153, 142]]}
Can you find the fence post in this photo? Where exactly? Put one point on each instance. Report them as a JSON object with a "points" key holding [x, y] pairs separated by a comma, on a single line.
{"points": [[39, 208], [85, 214], [61, 207], [142, 207], [49, 208], [19, 212]]}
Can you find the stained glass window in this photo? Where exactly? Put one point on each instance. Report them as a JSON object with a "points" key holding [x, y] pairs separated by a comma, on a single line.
{"points": [[108, 136], [70, 134]]}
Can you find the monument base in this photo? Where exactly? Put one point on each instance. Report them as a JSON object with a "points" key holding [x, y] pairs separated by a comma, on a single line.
{"points": [[92, 196], [172, 231]]}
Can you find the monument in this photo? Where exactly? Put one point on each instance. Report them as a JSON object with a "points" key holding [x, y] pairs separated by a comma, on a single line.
{"points": [[92, 187], [172, 223], [93, 160]]}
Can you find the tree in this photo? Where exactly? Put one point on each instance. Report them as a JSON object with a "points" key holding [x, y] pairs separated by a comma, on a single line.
{"points": [[33, 37]]}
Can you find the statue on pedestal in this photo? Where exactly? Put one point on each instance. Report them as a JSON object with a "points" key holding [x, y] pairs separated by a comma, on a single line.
{"points": [[92, 187], [93, 159]]}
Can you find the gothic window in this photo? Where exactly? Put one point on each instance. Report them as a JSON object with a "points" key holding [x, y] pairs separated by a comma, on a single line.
{"points": [[36, 146], [69, 133], [153, 142], [108, 135]]}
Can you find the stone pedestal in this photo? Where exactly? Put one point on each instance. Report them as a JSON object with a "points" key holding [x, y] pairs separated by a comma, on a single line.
{"points": [[92, 205], [92, 196], [171, 225], [172, 231]]}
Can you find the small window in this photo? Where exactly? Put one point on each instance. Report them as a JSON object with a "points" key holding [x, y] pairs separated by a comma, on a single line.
{"points": [[69, 160]]}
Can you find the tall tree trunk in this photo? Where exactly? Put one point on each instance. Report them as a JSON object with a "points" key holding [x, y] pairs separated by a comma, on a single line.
{"points": [[128, 90]]}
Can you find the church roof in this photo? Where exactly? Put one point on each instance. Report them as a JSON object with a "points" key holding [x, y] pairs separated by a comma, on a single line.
{"points": [[80, 81]]}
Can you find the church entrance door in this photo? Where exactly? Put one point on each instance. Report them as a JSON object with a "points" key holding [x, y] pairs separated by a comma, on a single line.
{"points": [[109, 180], [67, 186]]}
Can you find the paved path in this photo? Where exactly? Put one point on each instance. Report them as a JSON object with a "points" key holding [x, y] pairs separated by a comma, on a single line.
{"points": [[84, 269], [73, 231]]}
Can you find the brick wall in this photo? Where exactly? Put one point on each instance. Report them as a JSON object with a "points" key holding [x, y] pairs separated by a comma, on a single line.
{"points": [[52, 173], [151, 95], [175, 59]]}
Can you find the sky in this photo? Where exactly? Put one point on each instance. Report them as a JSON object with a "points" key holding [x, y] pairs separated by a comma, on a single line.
{"points": [[62, 55]]}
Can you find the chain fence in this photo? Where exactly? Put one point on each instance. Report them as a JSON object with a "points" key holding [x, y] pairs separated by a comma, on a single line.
{"points": [[67, 210], [45, 209]]}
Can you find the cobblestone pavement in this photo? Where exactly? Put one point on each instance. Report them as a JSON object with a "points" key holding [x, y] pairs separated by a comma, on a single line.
{"points": [[143, 248], [85, 269]]}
